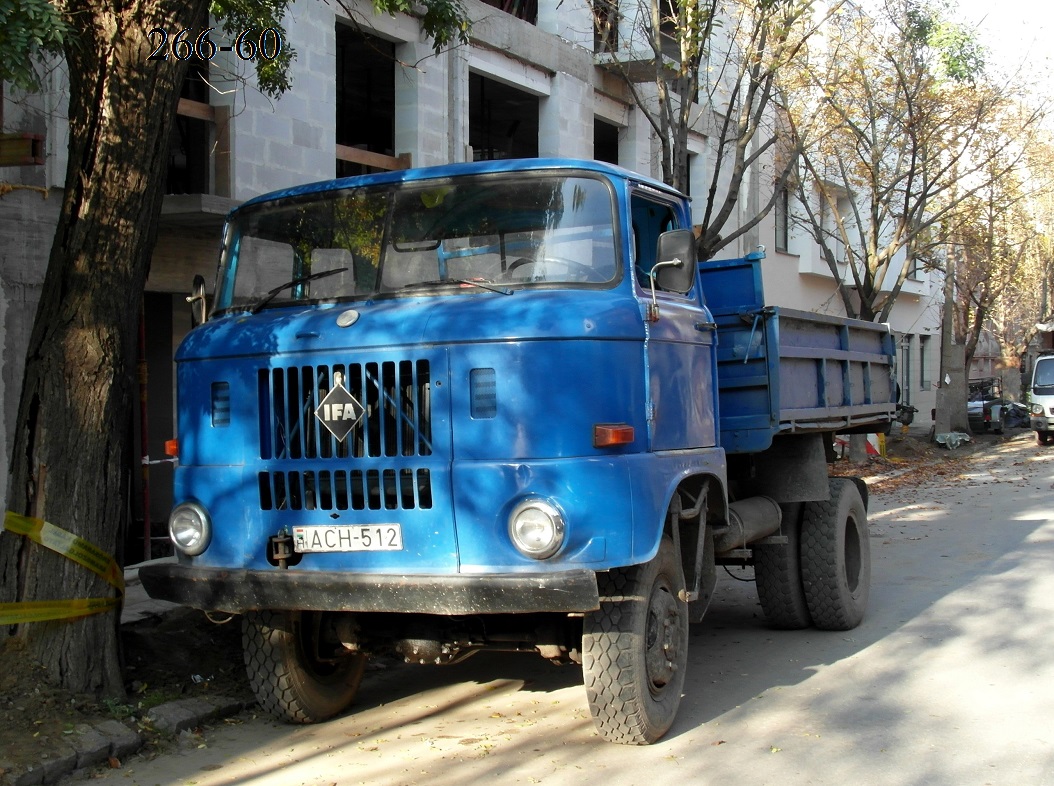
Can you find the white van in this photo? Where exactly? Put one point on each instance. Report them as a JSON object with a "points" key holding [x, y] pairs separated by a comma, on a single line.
{"points": [[1041, 413]]}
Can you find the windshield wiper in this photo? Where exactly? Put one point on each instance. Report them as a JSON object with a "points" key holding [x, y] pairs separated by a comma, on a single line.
{"points": [[467, 282], [267, 298]]}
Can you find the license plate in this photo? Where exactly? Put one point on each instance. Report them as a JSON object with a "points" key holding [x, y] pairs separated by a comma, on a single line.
{"points": [[367, 537]]}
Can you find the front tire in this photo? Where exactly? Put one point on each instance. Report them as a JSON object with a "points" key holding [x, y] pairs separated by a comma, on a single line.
{"points": [[836, 558], [298, 673], [635, 649]]}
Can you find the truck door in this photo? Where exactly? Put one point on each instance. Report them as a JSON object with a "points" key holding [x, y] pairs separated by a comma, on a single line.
{"points": [[679, 345]]}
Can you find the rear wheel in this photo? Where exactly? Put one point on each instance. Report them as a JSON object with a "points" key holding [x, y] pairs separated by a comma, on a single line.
{"points": [[635, 649], [777, 574], [299, 673], [836, 558]]}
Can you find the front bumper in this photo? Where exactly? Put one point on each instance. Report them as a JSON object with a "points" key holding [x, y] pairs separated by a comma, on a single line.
{"points": [[1041, 424], [238, 591]]}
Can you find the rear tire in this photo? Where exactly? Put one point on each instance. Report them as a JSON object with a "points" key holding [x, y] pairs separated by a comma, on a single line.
{"points": [[777, 574], [296, 676], [635, 649], [836, 558]]}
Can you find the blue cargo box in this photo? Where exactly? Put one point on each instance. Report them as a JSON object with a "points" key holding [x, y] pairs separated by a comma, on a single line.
{"points": [[782, 371]]}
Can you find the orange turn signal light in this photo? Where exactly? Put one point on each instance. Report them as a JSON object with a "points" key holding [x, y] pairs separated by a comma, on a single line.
{"points": [[172, 447], [608, 434]]}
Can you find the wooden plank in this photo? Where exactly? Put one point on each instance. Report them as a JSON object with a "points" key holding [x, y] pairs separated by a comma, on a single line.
{"points": [[21, 149], [196, 110], [368, 158]]}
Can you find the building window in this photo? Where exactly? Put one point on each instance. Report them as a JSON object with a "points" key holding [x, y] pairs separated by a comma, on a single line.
{"points": [[189, 167], [527, 10], [905, 370], [669, 29], [924, 365], [365, 96], [605, 25], [605, 141], [503, 121], [783, 219]]}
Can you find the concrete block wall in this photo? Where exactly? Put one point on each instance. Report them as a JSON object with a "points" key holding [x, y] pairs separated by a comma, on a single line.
{"points": [[566, 118], [426, 100], [27, 229], [289, 141]]}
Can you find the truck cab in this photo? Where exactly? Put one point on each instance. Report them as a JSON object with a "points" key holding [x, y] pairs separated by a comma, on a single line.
{"points": [[1041, 399]]}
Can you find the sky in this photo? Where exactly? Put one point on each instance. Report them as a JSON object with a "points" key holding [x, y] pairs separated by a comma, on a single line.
{"points": [[1018, 33]]}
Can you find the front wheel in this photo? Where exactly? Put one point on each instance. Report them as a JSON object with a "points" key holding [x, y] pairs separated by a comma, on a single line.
{"points": [[836, 558], [635, 649], [299, 673]]}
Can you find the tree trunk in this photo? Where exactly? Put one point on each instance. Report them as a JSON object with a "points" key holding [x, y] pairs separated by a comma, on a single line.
{"points": [[70, 461], [953, 389]]}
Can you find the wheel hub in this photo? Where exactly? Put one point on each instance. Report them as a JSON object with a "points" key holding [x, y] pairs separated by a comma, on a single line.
{"points": [[662, 639]]}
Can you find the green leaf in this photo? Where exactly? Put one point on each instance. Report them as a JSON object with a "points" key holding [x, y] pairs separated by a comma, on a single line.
{"points": [[29, 30]]}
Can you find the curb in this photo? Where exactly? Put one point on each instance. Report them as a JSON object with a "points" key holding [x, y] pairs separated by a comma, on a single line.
{"points": [[93, 745]]}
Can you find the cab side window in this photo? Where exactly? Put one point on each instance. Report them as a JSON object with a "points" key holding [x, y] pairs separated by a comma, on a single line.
{"points": [[650, 219]]}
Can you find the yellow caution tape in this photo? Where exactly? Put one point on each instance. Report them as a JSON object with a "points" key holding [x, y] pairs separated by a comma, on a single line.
{"points": [[74, 547], [44, 610]]}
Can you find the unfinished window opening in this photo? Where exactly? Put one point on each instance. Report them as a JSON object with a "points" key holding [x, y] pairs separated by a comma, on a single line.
{"points": [[527, 10], [503, 121], [782, 213], [365, 97], [605, 25], [669, 29], [605, 141], [189, 147]]}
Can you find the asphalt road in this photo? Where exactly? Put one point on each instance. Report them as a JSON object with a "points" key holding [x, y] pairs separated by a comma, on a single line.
{"points": [[949, 680]]}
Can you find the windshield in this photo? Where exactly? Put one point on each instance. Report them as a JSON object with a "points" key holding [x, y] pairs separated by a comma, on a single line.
{"points": [[440, 237], [1044, 373]]}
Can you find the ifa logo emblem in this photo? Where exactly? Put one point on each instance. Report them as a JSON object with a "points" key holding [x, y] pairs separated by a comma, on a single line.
{"points": [[339, 411]]}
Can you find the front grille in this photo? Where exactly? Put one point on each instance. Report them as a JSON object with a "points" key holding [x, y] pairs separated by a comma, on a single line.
{"points": [[396, 424], [373, 489], [395, 395]]}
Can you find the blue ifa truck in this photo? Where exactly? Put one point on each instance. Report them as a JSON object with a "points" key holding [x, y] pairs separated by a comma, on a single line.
{"points": [[502, 406]]}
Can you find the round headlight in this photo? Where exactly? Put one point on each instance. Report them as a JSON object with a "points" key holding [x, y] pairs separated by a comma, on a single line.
{"points": [[190, 528], [1037, 409], [537, 528]]}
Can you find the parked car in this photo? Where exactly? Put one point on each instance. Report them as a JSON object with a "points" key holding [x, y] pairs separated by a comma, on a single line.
{"points": [[986, 408]]}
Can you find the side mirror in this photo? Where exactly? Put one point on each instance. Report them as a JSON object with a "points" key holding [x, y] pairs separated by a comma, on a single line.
{"points": [[197, 302], [676, 245]]}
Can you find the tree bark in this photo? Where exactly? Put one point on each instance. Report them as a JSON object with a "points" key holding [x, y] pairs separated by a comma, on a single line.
{"points": [[952, 392], [76, 406]]}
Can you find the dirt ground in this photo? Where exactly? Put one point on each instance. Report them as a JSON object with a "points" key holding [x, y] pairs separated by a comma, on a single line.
{"points": [[179, 656], [184, 655]]}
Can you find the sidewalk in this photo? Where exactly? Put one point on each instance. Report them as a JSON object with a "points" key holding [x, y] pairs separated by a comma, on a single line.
{"points": [[137, 604], [87, 746]]}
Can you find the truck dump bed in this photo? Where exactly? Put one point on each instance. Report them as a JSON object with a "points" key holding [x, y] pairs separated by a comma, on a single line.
{"points": [[782, 371]]}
